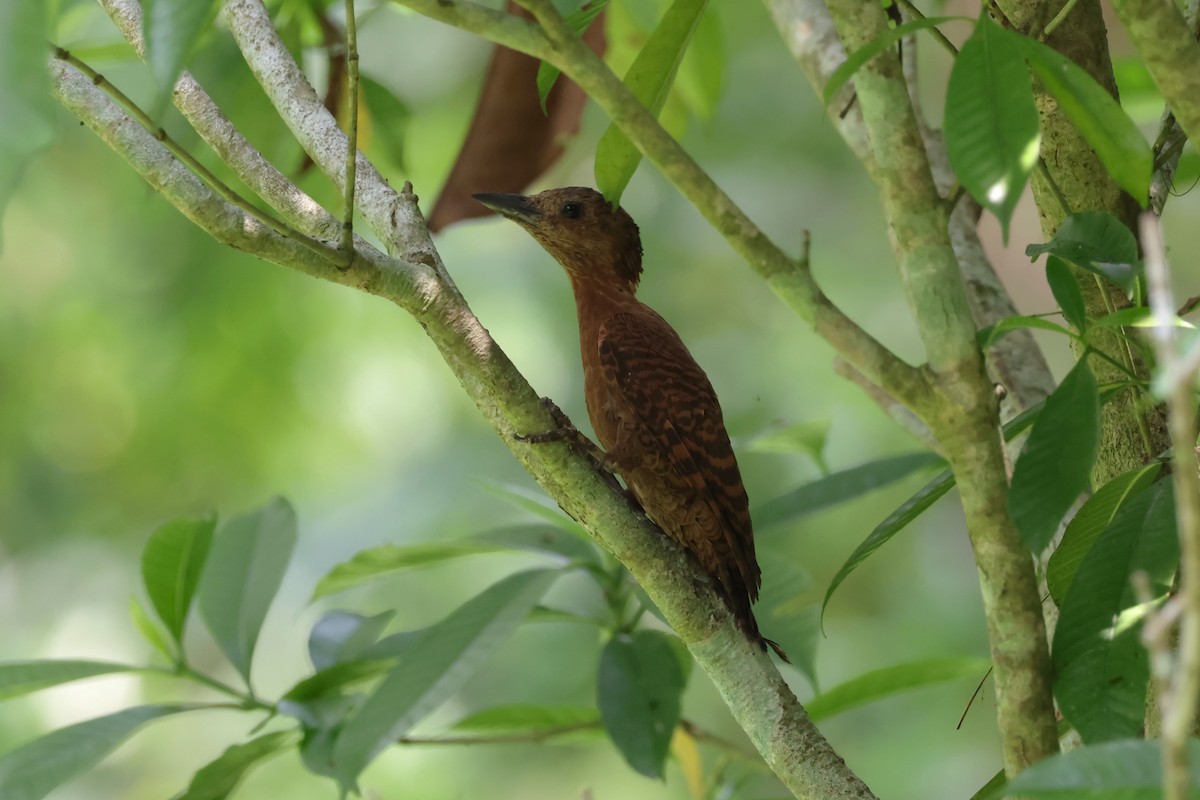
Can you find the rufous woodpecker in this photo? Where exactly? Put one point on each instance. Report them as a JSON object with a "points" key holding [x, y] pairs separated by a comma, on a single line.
{"points": [[651, 405]]}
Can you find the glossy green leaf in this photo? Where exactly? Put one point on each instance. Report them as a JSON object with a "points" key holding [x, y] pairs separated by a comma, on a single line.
{"points": [[993, 333], [22, 677], [1055, 464], [991, 123], [1066, 292], [172, 29], [435, 667], [217, 779], [35, 769], [1098, 242], [1088, 523], [649, 79], [343, 635], [580, 20], [1121, 770], [885, 41], [912, 508], [892, 680], [1096, 114], [638, 688], [172, 562], [246, 563], [330, 681], [390, 117], [841, 486], [29, 107], [1101, 667], [150, 630], [525, 718]]}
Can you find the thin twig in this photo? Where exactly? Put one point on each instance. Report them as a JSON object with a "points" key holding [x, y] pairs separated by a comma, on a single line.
{"points": [[1179, 702], [915, 13], [1058, 19], [525, 737], [352, 132]]}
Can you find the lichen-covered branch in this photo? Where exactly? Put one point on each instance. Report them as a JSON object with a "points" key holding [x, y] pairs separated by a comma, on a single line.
{"points": [[556, 43], [1167, 43], [967, 424], [759, 698]]}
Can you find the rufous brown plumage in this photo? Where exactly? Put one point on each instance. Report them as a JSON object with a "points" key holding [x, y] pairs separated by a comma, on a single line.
{"points": [[651, 405]]}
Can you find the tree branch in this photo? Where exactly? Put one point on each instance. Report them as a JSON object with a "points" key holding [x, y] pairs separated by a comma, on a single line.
{"points": [[967, 420], [556, 43], [757, 695]]}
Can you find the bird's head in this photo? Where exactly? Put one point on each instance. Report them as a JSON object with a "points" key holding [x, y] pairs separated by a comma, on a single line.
{"points": [[577, 226]]}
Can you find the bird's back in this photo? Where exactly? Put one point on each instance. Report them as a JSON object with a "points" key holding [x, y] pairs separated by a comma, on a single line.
{"points": [[653, 407]]}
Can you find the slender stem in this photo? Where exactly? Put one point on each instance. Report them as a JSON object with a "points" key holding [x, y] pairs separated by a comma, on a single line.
{"points": [[198, 169], [1064, 207], [352, 131], [1062, 14], [1179, 702], [525, 737], [246, 701], [915, 13]]}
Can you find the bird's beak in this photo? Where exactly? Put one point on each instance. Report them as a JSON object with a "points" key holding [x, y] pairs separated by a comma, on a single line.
{"points": [[513, 206]]}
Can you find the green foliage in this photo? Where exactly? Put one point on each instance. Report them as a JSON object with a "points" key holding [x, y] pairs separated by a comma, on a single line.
{"points": [[1101, 666], [217, 779], [20, 677], [638, 688], [172, 562], [34, 770], [991, 122], [172, 29], [880, 683], [856, 60], [580, 20], [650, 80], [246, 565], [1097, 242], [1066, 292], [389, 116], [1056, 462], [1121, 770]]}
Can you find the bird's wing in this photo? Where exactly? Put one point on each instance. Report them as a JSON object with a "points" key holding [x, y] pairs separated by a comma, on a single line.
{"points": [[645, 363]]}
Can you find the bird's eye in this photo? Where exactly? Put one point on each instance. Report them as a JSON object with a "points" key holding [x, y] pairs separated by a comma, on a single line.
{"points": [[572, 210]]}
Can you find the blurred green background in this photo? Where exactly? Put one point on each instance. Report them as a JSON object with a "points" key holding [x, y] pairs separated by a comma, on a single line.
{"points": [[147, 372]]}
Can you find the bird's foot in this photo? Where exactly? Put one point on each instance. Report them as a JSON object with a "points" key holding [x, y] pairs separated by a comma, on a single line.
{"points": [[563, 430]]}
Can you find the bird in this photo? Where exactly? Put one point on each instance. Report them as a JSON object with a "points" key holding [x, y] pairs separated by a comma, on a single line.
{"points": [[651, 405]]}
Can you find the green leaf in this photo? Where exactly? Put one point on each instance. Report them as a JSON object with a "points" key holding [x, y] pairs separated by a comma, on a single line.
{"points": [[855, 61], [1088, 523], [1096, 114], [524, 718], [1098, 242], [246, 564], [701, 75], [343, 635], [149, 629], [580, 20], [649, 79], [384, 561], [993, 333], [841, 486], [916, 505], [912, 508], [549, 540], [1056, 462], [435, 667], [1122, 770], [1066, 292], [329, 682], [390, 115], [217, 779], [22, 677], [991, 121], [35, 769], [172, 29], [537, 504], [638, 687], [1136, 317], [172, 562], [893, 680], [1101, 668], [25, 96]]}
